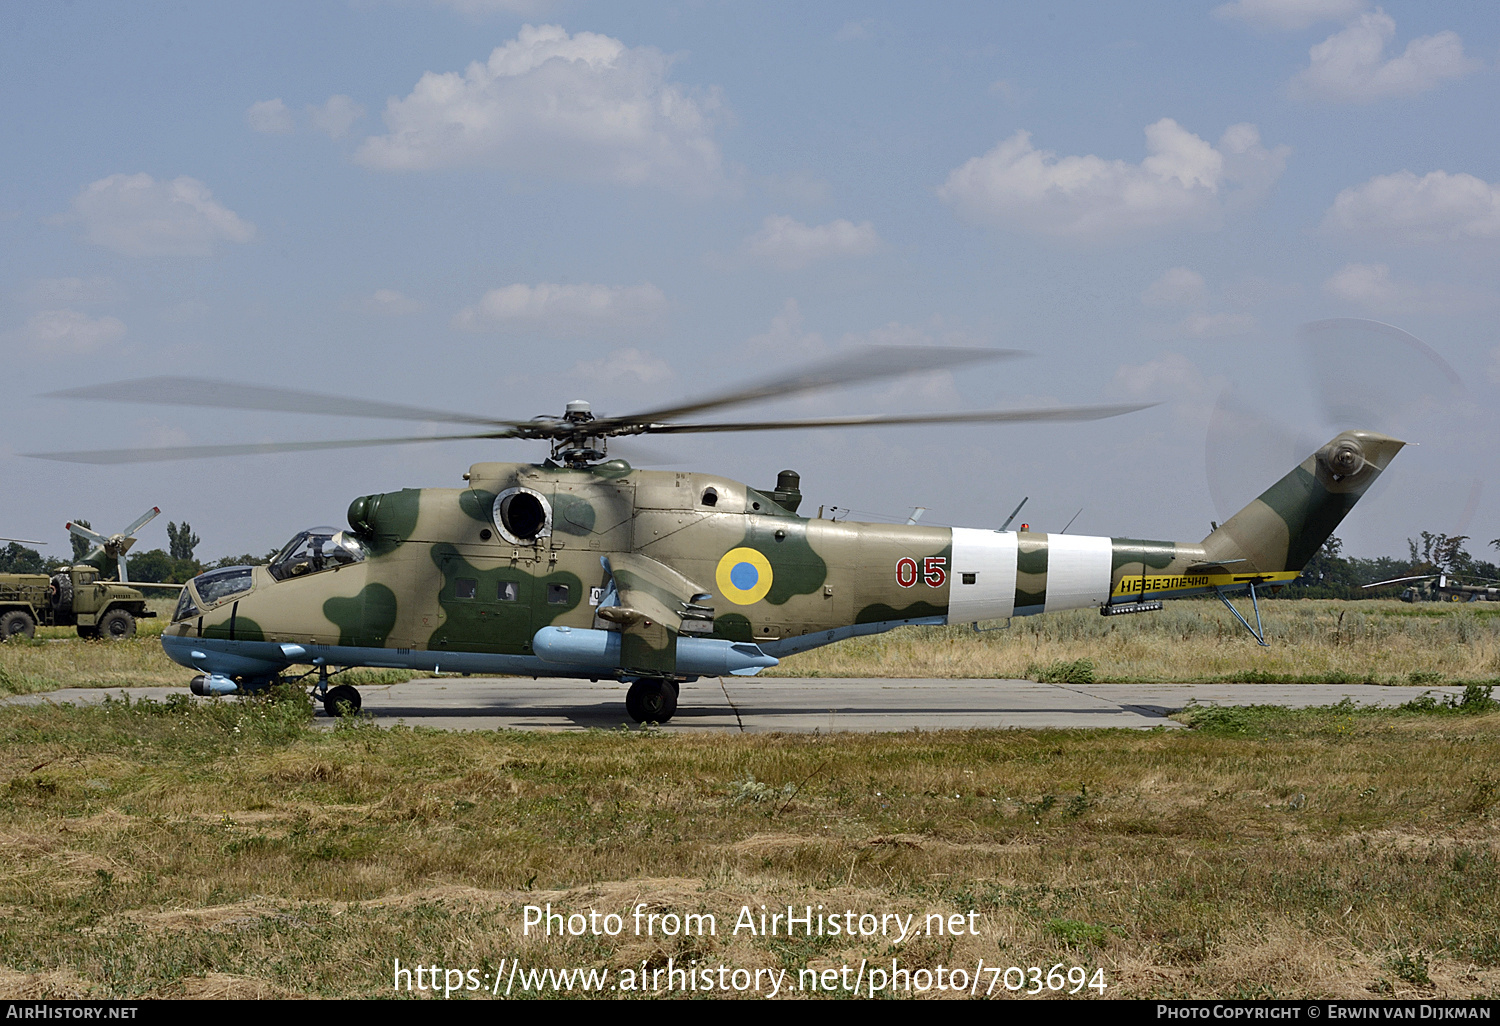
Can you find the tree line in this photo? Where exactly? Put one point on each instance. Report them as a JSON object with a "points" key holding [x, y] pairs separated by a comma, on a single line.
{"points": [[1330, 574], [176, 564]]}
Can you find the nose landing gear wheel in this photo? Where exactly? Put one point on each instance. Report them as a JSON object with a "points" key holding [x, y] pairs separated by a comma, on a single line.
{"points": [[341, 701], [651, 701]]}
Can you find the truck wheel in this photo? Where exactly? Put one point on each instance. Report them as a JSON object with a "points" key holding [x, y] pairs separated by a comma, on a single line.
{"points": [[117, 625], [16, 622]]}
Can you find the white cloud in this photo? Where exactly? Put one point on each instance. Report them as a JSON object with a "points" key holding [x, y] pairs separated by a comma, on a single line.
{"points": [[483, 8], [624, 369], [1010, 92], [1214, 325], [1349, 66], [1183, 182], [390, 303], [786, 334], [1366, 284], [1179, 286], [270, 116], [336, 116], [1182, 287], [1288, 15], [791, 245], [137, 216], [1171, 375], [855, 31], [1372, 287], [1174, 379], [55, 292], [69, 332], [549, 104], [561, 310], [185, 312], [1438, 207], [799, 187]]}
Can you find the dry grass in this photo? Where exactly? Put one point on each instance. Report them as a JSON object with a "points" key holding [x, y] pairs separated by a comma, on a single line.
{"points": [[1191, 642], [231, 850]]}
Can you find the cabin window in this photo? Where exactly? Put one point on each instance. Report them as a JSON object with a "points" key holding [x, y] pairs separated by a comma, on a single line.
{"points": [[509, 591], [971, 578], [465, 588], [557, 594]]}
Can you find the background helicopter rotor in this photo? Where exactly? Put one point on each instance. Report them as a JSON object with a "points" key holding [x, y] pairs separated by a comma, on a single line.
{"points": [[114, 545]]}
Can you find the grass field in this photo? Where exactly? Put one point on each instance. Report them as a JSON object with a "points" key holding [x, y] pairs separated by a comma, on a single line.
{"points": [[233, 850], [1376, 642]]}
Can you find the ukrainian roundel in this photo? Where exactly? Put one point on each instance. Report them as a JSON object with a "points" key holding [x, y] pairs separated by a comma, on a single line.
{"points": [[744, 576]]}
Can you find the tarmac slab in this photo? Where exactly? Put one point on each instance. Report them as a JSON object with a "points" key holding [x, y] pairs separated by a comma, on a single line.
{"points": [[802, 705]]}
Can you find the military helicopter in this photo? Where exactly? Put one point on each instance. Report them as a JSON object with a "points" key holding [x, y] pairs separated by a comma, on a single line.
{"points": [[1443, 588], [583, 566]]}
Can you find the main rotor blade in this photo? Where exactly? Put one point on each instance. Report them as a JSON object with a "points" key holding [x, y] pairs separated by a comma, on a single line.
{"points": [[142, 521], [22, 541], [200, 452], [1057, 413], [869, 364], [175, 391]]}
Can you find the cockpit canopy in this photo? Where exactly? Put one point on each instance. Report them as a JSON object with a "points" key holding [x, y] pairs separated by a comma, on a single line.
{"points": [[315, 550]]}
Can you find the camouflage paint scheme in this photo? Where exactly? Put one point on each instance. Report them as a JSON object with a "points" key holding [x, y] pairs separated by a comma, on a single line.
{"points": [[604, 587]]}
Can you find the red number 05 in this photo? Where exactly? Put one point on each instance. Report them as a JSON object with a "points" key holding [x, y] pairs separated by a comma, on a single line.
{"points": [[933, 572]]}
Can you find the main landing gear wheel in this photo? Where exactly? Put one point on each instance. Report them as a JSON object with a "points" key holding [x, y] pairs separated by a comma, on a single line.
{"points": [[651, 701], [341, 701]]}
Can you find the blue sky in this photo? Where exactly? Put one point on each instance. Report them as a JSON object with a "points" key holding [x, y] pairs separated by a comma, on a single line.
{"points": [[499, 206]]}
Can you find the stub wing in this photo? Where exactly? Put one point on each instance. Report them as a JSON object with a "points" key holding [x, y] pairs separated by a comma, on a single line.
{"points": [[652, 600]]}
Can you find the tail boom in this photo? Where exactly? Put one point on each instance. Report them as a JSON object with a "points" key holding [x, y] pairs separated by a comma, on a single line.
{"points": [[1001, 574]]}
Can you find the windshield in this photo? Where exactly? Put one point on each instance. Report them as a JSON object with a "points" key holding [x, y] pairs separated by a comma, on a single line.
{"points": [[186, 607], [216, 586], [315, 550]]}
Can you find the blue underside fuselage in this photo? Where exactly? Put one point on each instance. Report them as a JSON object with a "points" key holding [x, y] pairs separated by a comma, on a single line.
{"points": [[576, 653]]}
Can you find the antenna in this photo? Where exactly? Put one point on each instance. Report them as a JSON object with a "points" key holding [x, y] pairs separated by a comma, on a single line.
{"points": [[916, 514], [1013, 515]]}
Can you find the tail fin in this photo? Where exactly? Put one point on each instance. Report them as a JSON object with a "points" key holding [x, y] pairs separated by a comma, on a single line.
{"points": [[1291, 520]]}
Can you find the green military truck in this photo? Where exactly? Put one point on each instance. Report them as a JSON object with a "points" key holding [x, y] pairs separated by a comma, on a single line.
{"points": [[74, 597]]}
